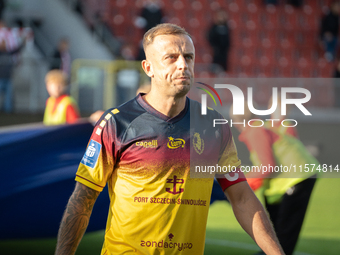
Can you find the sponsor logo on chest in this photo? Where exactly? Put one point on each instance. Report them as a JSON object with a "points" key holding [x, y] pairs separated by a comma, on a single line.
{"points": [[175, 143], [148, 144]]}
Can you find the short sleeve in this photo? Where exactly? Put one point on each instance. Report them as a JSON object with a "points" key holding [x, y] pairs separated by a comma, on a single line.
{"points": [[228, 154], [98, 161], [229, 158]]}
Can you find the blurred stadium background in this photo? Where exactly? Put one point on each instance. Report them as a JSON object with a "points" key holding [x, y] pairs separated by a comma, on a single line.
{"points": [[267, 41]]}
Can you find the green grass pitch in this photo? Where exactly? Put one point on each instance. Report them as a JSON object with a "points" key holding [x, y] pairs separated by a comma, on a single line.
{"points": [[320, 233]]}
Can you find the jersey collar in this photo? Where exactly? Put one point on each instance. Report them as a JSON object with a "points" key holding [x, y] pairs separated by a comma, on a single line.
{"points": [[160, 115]]}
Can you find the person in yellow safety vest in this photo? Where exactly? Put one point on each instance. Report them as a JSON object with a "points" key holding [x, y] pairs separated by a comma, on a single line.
{"points": [[286, 197], [60, 107]]}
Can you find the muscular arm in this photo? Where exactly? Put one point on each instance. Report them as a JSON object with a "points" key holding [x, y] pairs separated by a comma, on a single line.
{"points": [[76, 218], [252, 217]]}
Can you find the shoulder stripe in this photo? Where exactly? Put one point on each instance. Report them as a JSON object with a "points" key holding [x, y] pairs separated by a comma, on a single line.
{"points": [[115, 111], [98, 131], [102, 124], [108, 116]]}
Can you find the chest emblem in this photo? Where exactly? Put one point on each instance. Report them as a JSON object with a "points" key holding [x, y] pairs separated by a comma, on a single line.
{"points": [[174, 189]]}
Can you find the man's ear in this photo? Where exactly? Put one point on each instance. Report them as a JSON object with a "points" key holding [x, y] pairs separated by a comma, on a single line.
{"points": [[147, 67]]}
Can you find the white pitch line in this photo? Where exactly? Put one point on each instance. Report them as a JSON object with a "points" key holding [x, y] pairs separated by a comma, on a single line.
{"points": [[244, 246]]}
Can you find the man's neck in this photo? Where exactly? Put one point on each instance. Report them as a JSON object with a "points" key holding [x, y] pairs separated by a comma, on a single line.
{"points": [[169, 106]]}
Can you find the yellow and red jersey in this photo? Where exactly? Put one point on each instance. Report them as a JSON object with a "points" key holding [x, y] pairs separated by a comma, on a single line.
{"points": [[144, 157]]}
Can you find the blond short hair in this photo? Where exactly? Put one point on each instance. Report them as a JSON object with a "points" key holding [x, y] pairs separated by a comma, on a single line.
{"points": [[162, 29], [57, 76]]}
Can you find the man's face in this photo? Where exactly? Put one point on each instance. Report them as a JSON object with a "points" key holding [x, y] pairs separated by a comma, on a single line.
{"points": [[171, 64]]}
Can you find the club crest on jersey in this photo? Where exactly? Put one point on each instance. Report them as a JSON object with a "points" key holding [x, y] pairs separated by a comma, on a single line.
{"points": [[91, 155], [175, 143], [198, 143], [174, 189]]}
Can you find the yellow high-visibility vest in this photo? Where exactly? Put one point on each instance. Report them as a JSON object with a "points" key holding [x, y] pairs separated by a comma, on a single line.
{"points": [[58, 116]]}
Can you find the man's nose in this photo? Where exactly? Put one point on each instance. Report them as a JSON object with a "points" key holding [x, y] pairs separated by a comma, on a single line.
{"points": [[182, 63]]}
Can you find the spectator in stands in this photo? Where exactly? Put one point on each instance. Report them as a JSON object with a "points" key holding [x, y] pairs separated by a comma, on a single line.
{"points": [[219, 39], [151, 15], [10, 45], [329, 31], [60, 108], [2, 7], [62, 58]]}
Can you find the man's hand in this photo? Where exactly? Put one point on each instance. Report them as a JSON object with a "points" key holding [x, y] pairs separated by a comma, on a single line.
{"points": [[253, 218], [76, 218]]}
